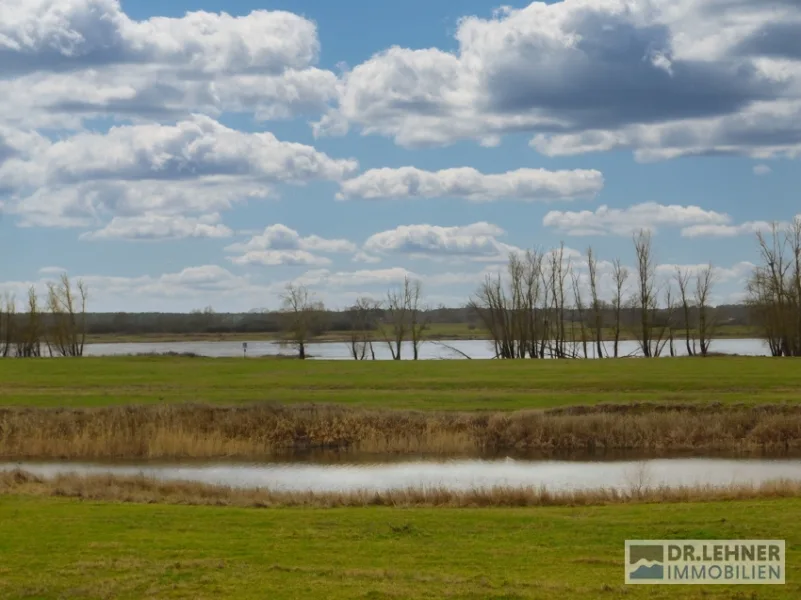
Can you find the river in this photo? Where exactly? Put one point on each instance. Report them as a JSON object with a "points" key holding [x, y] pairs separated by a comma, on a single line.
{"points": [[554, 475], [430, 350]]}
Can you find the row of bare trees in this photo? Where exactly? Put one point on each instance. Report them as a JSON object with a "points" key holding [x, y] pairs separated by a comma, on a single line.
{"points": [[54, 327], [546, 305], [395, 321], [525, 309], [555, 305]]}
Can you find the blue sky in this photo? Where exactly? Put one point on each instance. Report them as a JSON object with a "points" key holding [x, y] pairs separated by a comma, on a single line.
{"points": [[192, 153]]}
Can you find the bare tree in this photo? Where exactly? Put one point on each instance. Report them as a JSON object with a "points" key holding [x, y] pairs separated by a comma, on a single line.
{"points": [[29, 336], [363, 316], [774, 289], [579, 304], [768, 291], [682, 277], [406, 318], [620, 274], [490, 305], [705, 280], [533, 327], [557, 273], [67, 308], [412, 291], [645, 300], [302, 317], [597, 314], [668, 321], [515, 314], [397, 329], [7, 323]]}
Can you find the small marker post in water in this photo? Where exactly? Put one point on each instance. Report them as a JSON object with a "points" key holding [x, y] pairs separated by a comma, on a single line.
{"points": [[245, 349]]}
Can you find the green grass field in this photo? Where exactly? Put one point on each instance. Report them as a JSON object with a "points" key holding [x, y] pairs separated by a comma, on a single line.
{"points": [[449, 385], [58, 548], [69, 549]]}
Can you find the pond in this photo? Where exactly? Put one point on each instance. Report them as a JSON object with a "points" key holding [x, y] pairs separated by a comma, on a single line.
{"points": [[554, 475]]}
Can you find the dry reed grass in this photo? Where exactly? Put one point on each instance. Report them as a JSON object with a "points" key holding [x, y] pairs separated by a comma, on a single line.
{"points": [[139, 489], [257, 431]]}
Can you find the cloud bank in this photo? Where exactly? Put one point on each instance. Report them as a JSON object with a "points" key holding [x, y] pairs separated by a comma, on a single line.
{"points": [[662, 78]]}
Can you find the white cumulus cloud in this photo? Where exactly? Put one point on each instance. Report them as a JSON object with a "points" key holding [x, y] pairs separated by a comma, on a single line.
{"points": [[364, 277], [624, 221], [197, 166], [160, 227], [476, 242], [68, 60], [191, 287], [722, 231], [468, 183], [274, 258], [281, 245]]}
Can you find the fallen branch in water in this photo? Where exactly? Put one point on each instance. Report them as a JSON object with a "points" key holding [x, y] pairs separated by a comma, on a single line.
{"points": [[449, 347]]}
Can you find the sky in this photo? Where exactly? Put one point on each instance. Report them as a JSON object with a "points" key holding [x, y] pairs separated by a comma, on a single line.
{"points": [[206, 153]]}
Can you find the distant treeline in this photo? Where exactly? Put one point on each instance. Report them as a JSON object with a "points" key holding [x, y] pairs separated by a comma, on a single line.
{"points": [[210, 322]]}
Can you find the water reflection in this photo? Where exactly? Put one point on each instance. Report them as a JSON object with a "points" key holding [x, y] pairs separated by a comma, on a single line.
{"points": [[454, 474]]}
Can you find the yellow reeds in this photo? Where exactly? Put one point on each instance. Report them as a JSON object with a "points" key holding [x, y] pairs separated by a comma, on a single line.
{"points": [[259, 430]]}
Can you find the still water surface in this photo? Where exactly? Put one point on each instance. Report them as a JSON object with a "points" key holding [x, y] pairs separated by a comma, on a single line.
{"points": [[433, 350], [455, 474]]}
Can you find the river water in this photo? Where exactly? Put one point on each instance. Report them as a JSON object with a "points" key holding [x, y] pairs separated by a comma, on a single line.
{"points": [[554, 475], [433, 350]]}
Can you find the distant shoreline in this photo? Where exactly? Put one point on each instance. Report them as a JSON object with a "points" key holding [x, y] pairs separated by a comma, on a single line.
{"points": [[438, 332]]}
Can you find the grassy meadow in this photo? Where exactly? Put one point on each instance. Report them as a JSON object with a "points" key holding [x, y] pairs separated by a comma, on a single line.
{"points": [[105, 537], [457, 385], [63, 548], [183, 407]]}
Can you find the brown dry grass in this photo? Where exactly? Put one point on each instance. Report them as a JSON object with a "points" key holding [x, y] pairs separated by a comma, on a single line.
{"points": [[139, 489], [258, 431]]}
